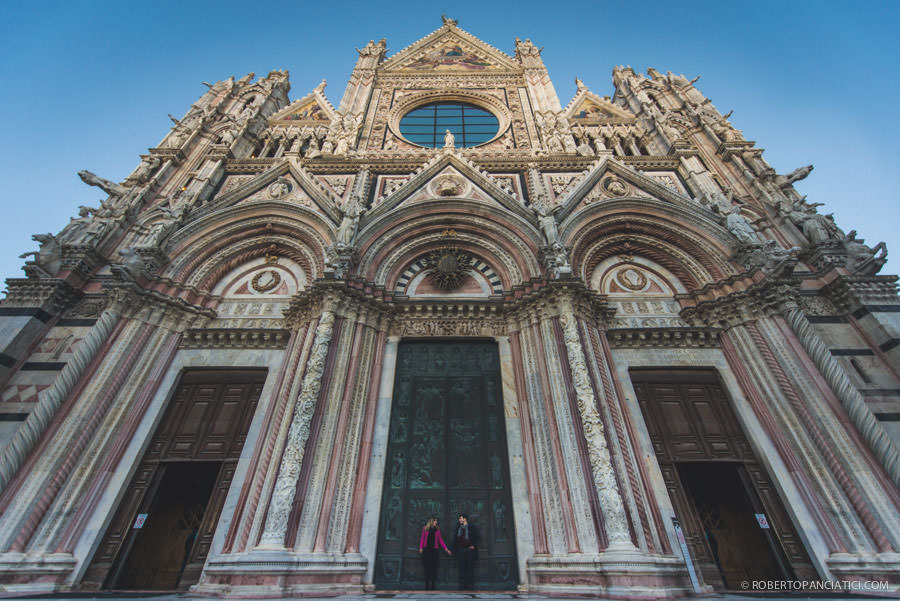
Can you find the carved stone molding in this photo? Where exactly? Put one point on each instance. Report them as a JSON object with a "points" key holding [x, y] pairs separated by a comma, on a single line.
{"points": [[235, 339], [168, 154], [664, 338], [734, 301], [49, 294], [849, 293], [89, 307], [81, 259]]}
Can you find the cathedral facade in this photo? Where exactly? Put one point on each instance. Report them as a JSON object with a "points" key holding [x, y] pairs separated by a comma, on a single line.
{"points": [[607, 331]]}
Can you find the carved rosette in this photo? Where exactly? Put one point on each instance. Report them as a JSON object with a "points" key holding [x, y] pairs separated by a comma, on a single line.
{"points": [[292, 460], [613, 508]]}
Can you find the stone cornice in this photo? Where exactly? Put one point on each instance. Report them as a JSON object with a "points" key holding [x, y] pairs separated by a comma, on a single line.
{"points": [[408, 161], [663, 338], [234, 339]]}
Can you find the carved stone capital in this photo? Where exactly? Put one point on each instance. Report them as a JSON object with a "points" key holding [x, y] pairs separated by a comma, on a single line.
{"points": [[551, 299], [129, 299], [825, 255], [340, 298], [81, 259], [734, 301], [849, 292], [48, 294], [168, 154]]}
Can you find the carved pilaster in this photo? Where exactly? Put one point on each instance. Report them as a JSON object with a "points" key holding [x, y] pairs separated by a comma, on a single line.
{"points": [[292, 460], [881, 444], [614, 516], [27, 436]]}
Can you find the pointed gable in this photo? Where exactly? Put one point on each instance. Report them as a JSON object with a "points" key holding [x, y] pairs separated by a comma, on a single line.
{"points": [[448, 175], [449, 49], [587, 107], [312, 109], [609, 180]]}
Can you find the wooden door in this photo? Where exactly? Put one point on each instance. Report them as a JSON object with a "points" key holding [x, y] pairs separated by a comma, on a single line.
{"points": [[180, 485], [446, 455], [721, 493]]}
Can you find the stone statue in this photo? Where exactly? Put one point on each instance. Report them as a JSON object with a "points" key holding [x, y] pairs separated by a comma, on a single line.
{"points": [[144, 171], [816, 228], [767, 256], [449, 139], [47, 259], [860, 258], [556, 259], [798, 174], [349, 223], [547, 222], [111, 188], [738, 225], [726, 132], [72, 233], [133, 262]]}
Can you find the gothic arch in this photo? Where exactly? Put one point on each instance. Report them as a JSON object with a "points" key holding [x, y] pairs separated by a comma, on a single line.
{"points": [[506, 243], [694, 249], [212, 246]]}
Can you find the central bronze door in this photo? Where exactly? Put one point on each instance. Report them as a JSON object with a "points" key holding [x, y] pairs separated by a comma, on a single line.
{"points": [[446, 455]]}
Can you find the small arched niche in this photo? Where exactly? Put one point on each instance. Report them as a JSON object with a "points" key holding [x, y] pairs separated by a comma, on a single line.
{"points": [[255, 294], [641, 291]]}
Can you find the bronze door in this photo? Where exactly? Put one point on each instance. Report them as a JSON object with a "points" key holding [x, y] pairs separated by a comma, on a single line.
{"points": [[180, 485], [718, 487], [446, 455]]}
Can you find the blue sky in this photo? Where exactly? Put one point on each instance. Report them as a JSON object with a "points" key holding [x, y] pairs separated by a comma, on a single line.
{"points": [[89, 84]]}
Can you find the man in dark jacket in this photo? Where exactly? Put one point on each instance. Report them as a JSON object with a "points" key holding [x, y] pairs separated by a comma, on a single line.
{"points": [[465, 548]]}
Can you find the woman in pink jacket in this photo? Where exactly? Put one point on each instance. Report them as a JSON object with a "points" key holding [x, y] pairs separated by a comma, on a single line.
{"points": [[428, 548]]}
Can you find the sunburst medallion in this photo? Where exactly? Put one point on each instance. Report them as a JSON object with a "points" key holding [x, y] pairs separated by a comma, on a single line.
{"points": [[448, 265]]}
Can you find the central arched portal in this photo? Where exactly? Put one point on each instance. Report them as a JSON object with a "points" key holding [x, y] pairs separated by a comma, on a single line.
{"points": [[446, 455]]}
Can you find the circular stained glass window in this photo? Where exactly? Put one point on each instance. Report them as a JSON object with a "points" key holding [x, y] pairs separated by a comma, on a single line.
{"points": [[470, 125]]}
